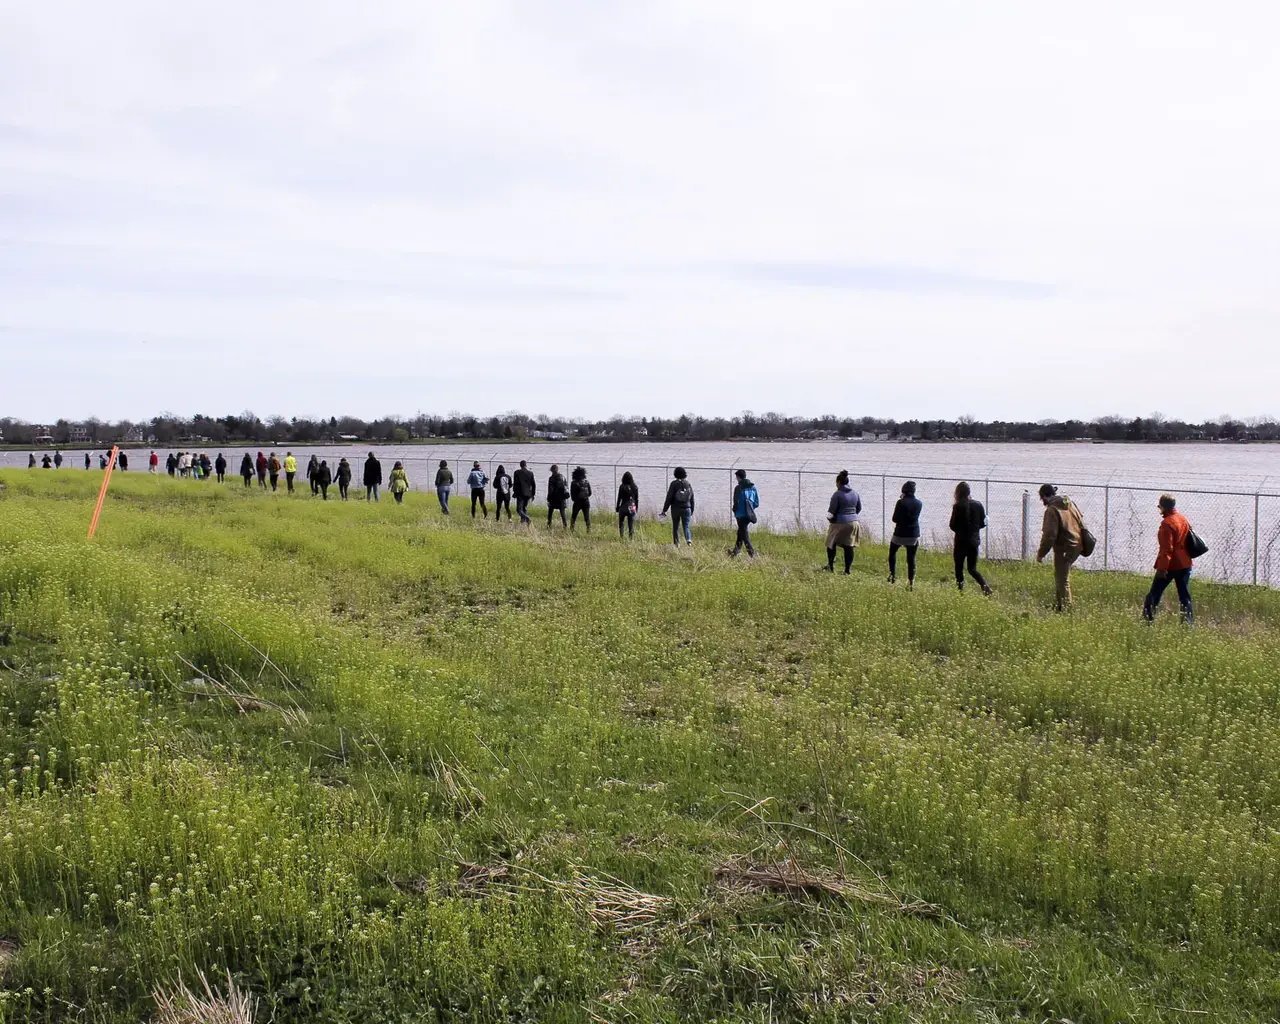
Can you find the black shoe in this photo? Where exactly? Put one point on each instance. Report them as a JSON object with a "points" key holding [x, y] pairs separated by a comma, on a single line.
{"points": [[893, 578]]}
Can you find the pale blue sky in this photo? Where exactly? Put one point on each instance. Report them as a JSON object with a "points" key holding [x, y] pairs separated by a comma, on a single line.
{"points": [[645, 207]]}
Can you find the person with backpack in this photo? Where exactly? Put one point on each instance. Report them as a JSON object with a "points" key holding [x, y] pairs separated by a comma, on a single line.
{"points": [[324, 477], [342, 477], [312, 465], [1062, 532], [525, 487], [628, 504], [220, 467], [273, 470], [680, 501], [261, 466], [1173, 562], [477, 480], [398, 482], [557, 495], [206, 467], [968, 518], [290, 470], [501, 494], [744, 504], [444, 485], [580, 494], [846, 528], [246, 470], [372, 477], [906, 532]]}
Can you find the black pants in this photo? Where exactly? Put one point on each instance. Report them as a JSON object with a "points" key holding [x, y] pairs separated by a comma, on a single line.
{"points": [[744, 537], [501, 501], [477, 494], [1181, 578], [911, 560], [629, 518], [248, 481], [522, 509], [315, 487], [222, 478], [967, 555], [324, 491], [848, 558], [585, 508], [552, 510], [342, 489], [275, 479], [262, 479], [288, 480]]}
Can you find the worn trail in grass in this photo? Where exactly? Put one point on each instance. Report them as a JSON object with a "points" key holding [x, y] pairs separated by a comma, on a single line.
{"points": [[383, 766]]}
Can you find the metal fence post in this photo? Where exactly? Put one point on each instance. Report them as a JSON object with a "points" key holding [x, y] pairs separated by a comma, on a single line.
{"points": [[1026, 518], [1106, 526], [986, 504], [884, 511], [1257, 502]]}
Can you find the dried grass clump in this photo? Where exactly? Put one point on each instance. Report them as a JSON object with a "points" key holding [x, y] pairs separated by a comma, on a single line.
{"points": [[183, 1006]]}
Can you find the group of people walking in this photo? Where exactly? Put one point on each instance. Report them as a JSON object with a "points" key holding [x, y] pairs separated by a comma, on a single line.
{"points": [[1064, 533]]}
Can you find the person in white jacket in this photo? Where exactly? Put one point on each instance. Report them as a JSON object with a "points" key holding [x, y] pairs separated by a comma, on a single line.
{"points": [[476, 480]]}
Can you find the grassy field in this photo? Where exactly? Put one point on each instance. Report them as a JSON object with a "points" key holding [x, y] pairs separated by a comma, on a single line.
{"points": [[380, 766]]}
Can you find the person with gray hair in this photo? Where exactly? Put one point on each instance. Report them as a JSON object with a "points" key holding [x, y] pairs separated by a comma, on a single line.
{"points": [[1173, 562]]}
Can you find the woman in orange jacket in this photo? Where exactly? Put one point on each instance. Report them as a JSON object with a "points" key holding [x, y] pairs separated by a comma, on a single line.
{"points": [[1173, 563]]}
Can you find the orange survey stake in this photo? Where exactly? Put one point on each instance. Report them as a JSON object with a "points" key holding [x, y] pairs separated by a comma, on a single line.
{"points": [[102, 494]]}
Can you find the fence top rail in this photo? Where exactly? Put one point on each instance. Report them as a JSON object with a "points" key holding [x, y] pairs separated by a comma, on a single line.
{"points": [[872, 474]]}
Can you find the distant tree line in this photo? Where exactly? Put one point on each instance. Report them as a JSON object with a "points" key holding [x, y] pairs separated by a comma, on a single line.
{"points": [[168, 428]]}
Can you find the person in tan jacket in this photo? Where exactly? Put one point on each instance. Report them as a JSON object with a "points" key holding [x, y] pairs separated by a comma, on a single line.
{"points": [[1062, 534]]}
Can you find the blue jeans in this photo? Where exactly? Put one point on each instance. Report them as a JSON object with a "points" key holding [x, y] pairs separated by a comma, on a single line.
{"points": [[1181, 578], [680, 520], [371, 492], [443, 494]]}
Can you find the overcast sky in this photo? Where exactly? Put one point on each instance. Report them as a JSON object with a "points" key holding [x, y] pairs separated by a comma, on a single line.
{"points": [[1004, 209]]}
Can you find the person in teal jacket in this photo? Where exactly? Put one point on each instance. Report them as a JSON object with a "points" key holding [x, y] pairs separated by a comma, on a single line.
{"points": [[745, 502]]}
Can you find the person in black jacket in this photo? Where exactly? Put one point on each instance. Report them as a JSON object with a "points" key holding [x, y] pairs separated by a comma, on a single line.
{"points": [[220, 467], [206, 467], [968, 517], [312, 466], [246, 469], [343, 476], [557, 495], [122, 462], [906, 532], [323, 478], [372, 478], [580, 493], [628, 504], [680, 501], [501, 493], [525, 488], [171, 464]]}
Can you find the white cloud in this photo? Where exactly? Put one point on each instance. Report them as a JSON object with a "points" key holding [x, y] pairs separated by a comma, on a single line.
{"points": [[908, 209]]}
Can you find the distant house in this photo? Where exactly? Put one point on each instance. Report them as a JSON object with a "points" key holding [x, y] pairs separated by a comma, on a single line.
{"points": [[78, 433], [548, 435]]}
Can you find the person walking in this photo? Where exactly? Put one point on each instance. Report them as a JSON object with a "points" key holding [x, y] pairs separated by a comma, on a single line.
{"points": [[557, 495], [744, 504], [57, 460], [171, 464], [628, 504], [246, 470], [343, 476], [398, 482], [153, 463], [102, 460], [324, 477], [1062, 533], [313, 464], [906, 532], [88, 463], [290, 470], [680, 501], [122, 461], [273, 470], [1173, 562], [845, 530], [220, 467], [968, 518], [580, 495], [372, 477], [261, 466], [501, 493], [46, 461], [444, 485], [477, 481], [31, 461], [525, 488]]}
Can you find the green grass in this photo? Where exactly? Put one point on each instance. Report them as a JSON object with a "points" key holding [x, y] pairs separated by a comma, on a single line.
{"points": [[1020, 815]]}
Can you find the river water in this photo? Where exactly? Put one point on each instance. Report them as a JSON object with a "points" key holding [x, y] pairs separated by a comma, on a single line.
{"points": [[1231, 492]]}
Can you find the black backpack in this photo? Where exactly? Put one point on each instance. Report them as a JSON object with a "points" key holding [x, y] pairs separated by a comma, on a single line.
{"points": [[683, 493]]}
